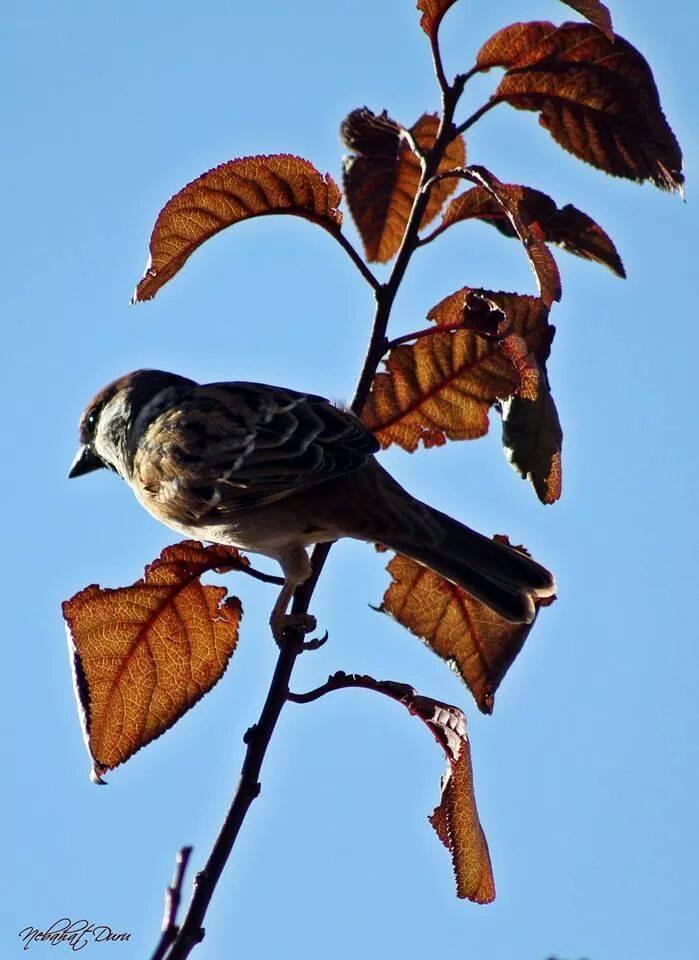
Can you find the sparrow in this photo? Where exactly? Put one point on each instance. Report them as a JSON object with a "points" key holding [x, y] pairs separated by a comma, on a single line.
{"points": [[272, 471]]}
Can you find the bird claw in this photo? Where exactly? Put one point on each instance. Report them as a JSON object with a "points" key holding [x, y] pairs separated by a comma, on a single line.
{"points": [[303, 622], [316, 642]]}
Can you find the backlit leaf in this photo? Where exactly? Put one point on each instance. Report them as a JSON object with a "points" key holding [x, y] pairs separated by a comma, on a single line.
{"points": [[233, 192], [596, 97], [512, 200], [596, 12], [456, 818], [478, 643], [382, 176], [567, 227], [143, 655], [432, 13], [531, 431], [442, 386]]}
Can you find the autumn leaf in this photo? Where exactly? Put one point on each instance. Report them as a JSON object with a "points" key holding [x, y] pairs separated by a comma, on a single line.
{"points": [[511, 198], [476, 642], [432, 14], [456, 817], [442, 386], [382, 176], [143, 655], [531, 431], [567, 227], [596, 12], [233, 192], [596, 97]]}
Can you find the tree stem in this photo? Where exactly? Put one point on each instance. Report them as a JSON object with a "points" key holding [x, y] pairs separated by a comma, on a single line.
{"points": [[258, 737]]}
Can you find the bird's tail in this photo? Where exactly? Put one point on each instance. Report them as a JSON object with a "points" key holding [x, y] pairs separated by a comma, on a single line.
{"points": [[506, 580]]}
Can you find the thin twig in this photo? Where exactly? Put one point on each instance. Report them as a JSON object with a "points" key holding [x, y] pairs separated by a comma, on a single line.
{"points": [[357, 260], [173, 895], [475, 117], [260, 575], [427, 332], [258, 737]]}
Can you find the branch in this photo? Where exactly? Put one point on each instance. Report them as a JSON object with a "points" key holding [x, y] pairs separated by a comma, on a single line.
{"points": [[475, 117], [173, 895], [357, 260], [258, 736]]}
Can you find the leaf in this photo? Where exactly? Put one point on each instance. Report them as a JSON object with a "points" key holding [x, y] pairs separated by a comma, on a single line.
{"points": [[596, 97], [432, 14], [512, 200], [596, 12], [441, 387], [382, 176], [475, 641], [228, 194], [567, 226], [531, 431], [143, 655], [456, 818]]}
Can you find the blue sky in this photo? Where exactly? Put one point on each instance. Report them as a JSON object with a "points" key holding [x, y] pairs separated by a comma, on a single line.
{"points": [[586, 775]]}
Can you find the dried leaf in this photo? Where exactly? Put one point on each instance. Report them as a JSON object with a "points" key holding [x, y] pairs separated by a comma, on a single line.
{"points": [[143, 655], [233, 192], [596, 97], [475, 641], [432, 14], [567, 227], [596, 12], [456, 818], [382, 176], [512, 200], [531, 431], [441, 387]]}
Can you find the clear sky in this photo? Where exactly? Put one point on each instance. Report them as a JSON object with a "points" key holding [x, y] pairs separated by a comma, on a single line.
{"points": [[586, 775]]}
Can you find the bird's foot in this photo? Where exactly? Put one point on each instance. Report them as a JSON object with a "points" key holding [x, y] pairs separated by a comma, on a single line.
{"points": [[303, 622]]}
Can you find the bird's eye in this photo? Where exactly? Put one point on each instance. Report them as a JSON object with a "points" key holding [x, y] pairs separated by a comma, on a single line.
{"points": [[91, 419]]}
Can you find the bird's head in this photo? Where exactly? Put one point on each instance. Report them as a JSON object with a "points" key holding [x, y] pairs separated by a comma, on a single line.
{"points": [[116, 417]]}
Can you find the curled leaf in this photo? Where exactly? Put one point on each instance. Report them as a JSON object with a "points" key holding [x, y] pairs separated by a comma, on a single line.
{"points": [[442, 387], [382, 176], [456, 818], [228, 194], [566, 226], [476, 642], [143, 655], [531, 431], [432, 14], [512, 200], [596, 12], [596, 96]]}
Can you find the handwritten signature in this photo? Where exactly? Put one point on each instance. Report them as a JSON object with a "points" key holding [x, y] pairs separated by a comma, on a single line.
{"points": [[74, 934]]}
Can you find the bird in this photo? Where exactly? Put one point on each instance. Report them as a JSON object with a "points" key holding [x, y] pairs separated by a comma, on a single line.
{"points": [[273, 471]]}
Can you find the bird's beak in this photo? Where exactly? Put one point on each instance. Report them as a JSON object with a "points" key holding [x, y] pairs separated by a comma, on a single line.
{"points": [[85, 462]]}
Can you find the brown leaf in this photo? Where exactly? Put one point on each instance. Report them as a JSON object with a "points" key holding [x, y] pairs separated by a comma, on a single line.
{"points": [[456, 818], [382, 176], [531, 430], [596, 12], [512, 200], [432, 14], [456, 821], [506, 46], [475, 641], [143, 655], [441, 387], [596, 97], [567, 227], [228, 194]]}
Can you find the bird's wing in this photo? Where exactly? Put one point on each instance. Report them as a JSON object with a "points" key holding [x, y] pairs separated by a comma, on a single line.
{"points": [[228, 447]]}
